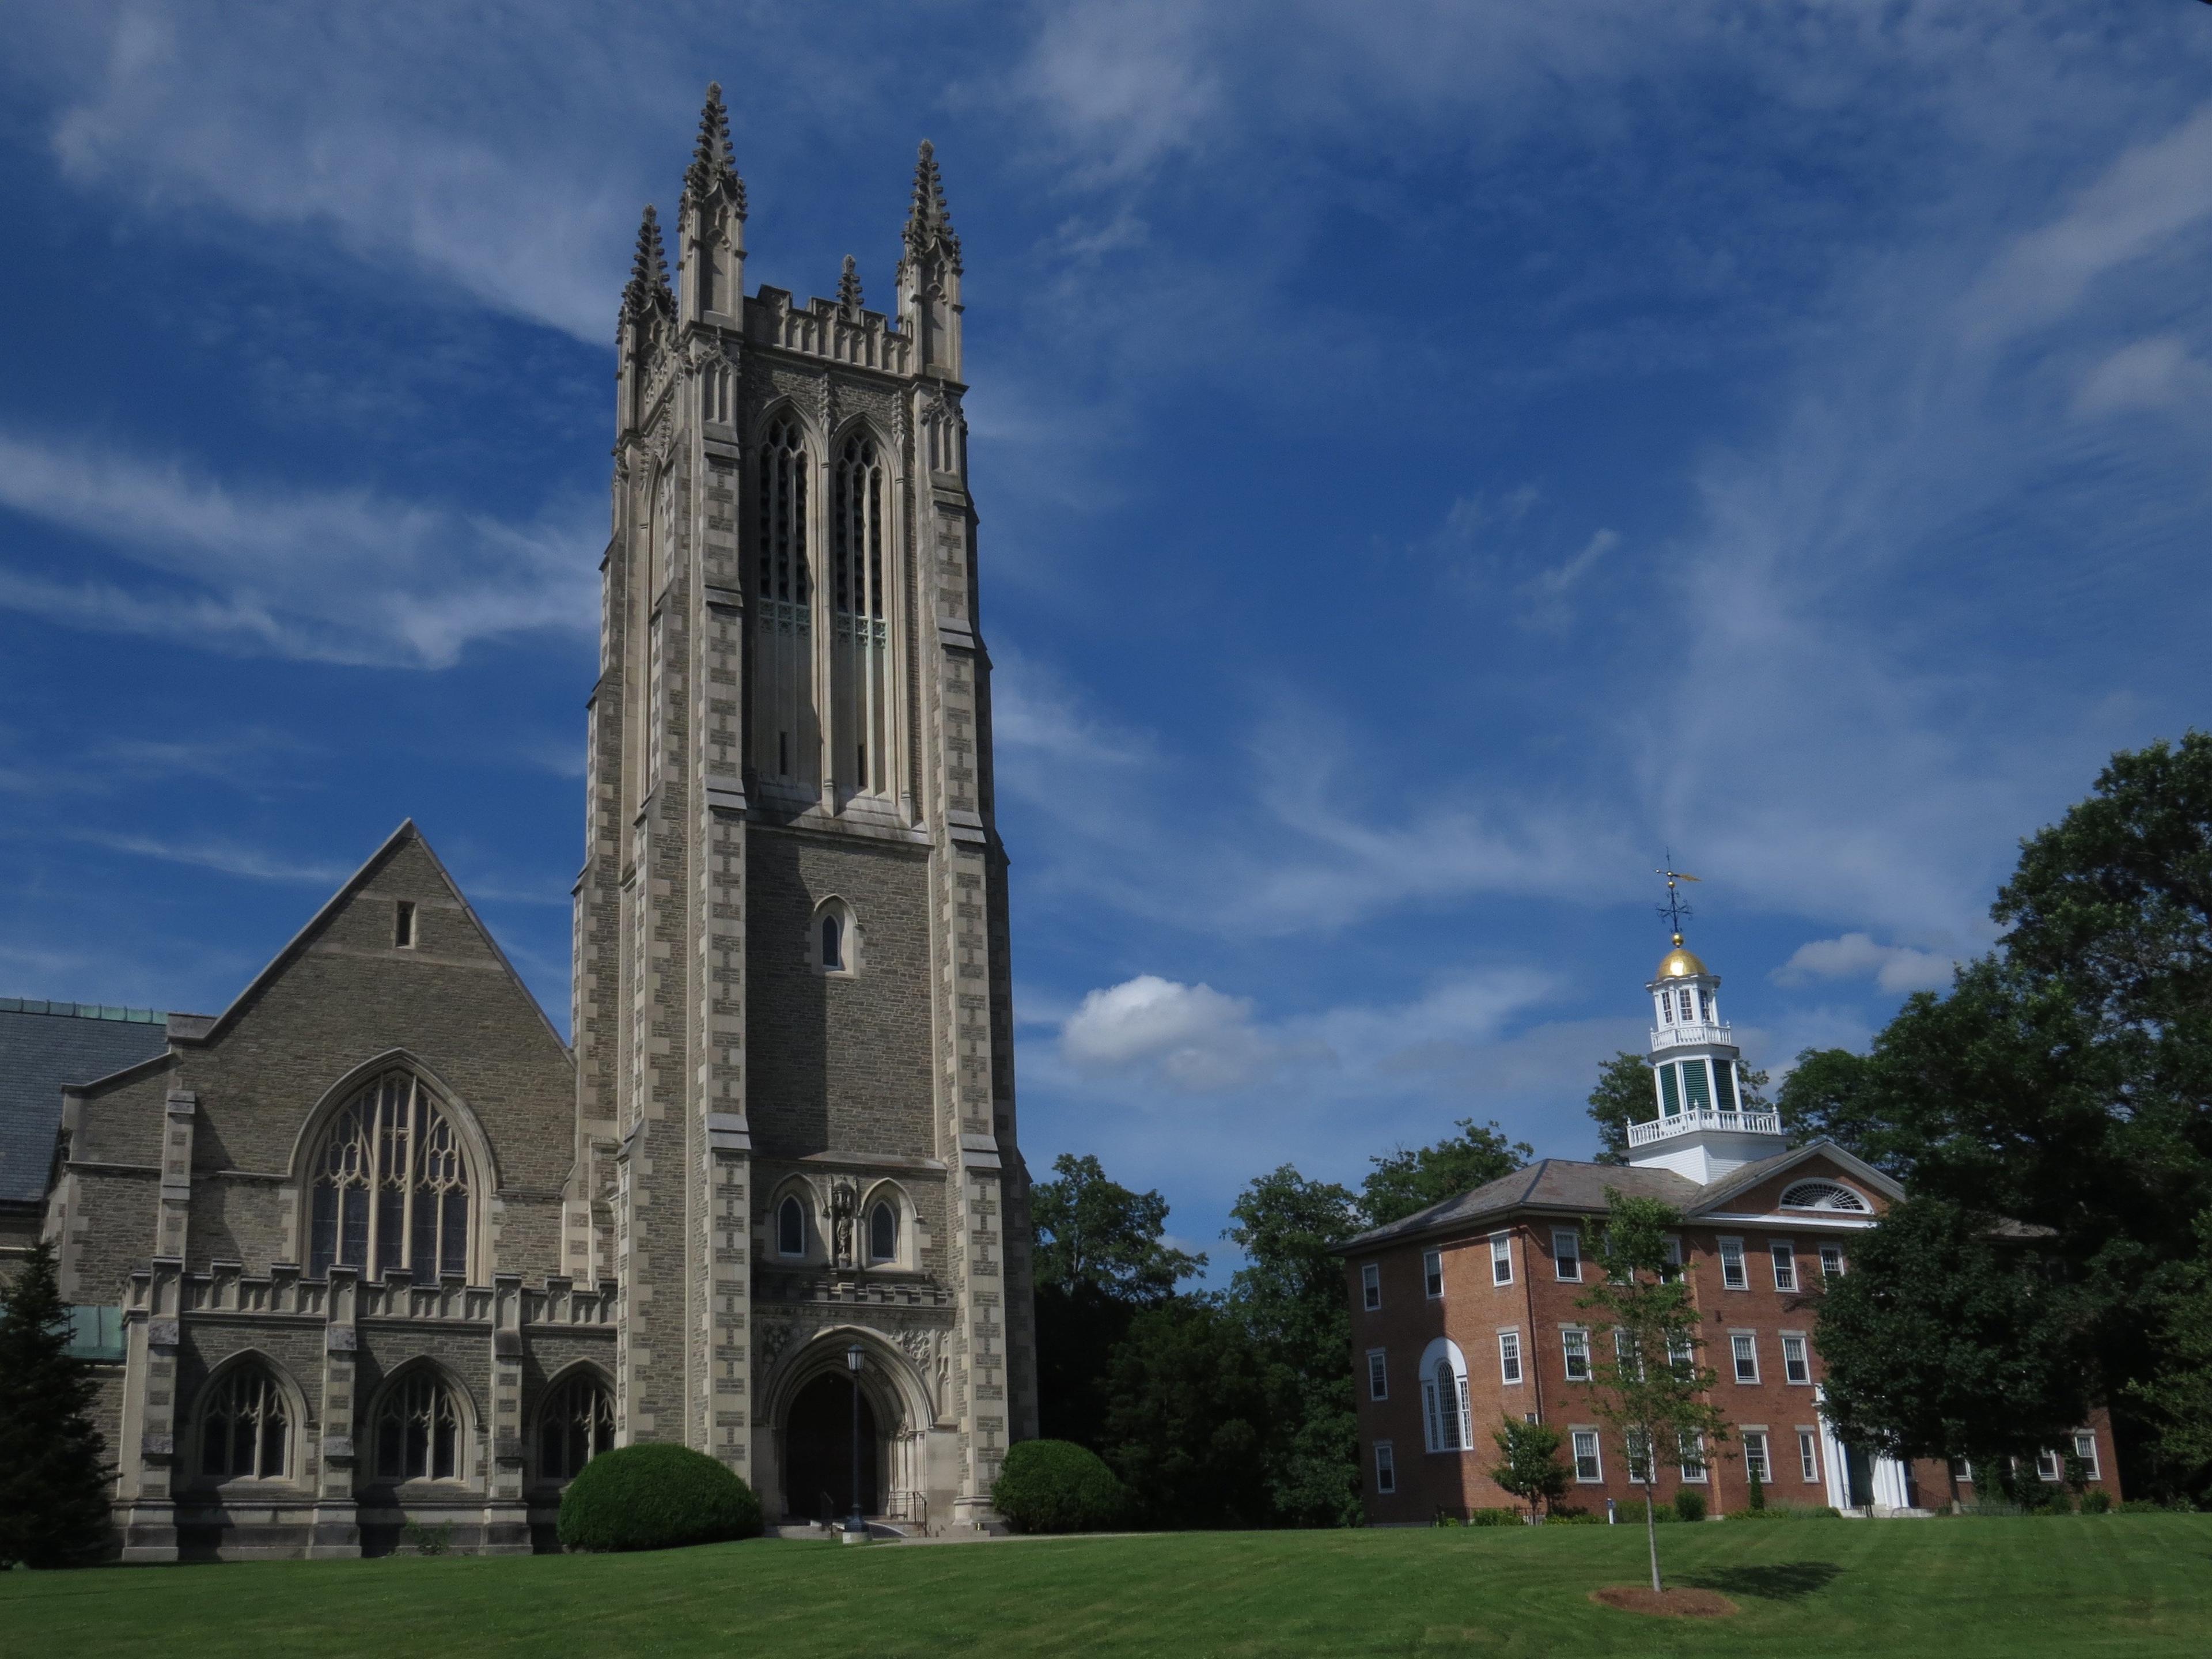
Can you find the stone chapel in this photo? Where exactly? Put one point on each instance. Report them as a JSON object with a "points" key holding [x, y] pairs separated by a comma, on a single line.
{"points": [[375, 1247]]}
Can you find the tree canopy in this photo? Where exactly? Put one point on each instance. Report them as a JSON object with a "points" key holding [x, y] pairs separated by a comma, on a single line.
{"points": [[1403, 1182]]}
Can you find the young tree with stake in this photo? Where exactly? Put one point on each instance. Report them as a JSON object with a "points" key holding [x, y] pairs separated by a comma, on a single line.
{"points": [[1646, 1382]]}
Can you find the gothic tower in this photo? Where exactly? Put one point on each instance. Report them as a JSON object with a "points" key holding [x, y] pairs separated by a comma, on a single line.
{"points": [[794, 1025]]}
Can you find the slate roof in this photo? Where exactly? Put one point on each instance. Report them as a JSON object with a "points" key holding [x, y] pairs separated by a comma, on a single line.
{"points": [[45, 1046]]}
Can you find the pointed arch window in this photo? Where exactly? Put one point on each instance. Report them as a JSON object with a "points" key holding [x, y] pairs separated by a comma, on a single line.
{"points": [[785, 741], [833, 941], [576, 1425], [856, 561], [418, 1430], [791, 1226], [883, 1231], [391, 1187], [246, 1428]]}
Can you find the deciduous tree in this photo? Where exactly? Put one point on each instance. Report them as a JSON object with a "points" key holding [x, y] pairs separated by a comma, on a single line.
{"points": [[1404, 1180]]}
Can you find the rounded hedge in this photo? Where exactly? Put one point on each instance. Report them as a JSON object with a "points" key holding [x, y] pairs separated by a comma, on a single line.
{"points": [[655, 1497], [1056, 1486]]}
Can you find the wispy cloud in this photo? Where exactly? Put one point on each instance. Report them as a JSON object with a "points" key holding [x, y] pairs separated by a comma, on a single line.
{"points": [[349, 576], [1896, 968], [224, 858]]}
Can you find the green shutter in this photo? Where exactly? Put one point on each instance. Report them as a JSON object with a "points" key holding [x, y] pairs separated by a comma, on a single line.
{"points": [[1724, 1084], [1693, 1084], [1670, 1102]]}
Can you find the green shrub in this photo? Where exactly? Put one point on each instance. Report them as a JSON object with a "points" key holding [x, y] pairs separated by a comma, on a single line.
{"points": [[1689, 1504], [2096, 1501], [655, 1497], [1493, 1517], [1558, 1516], [1056, 1486], [1788, 1512]]}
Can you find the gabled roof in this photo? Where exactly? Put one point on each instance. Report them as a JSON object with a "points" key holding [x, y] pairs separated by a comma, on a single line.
{"points": [[43, 1048], [1572, 1188], [300, 941]]}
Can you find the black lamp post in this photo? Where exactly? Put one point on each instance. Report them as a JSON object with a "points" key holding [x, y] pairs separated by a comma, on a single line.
{"points": [[856, 1527]]}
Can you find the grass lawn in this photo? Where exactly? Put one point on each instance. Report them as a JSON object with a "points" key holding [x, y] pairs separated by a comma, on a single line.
{"points": [[2082, 1585]]}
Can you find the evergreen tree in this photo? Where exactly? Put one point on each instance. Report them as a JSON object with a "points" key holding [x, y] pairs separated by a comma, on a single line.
{"points": [[53, 1476], [1645, 1380], [1404, 1180], [1528, 1463]]}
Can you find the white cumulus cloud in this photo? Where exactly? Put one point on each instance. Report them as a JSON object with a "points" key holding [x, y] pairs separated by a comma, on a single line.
{"points": [[1896, 968], [1191, 1036]]}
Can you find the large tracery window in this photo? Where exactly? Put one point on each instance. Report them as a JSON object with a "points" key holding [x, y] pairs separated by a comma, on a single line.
{"points": [[785, 742], [858, 715], [418, 1430], [391, 1188], [575, 1425], [246, 1428]]}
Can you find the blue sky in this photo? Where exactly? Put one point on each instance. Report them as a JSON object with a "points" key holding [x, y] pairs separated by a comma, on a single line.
{"points": [[1432, 459]]}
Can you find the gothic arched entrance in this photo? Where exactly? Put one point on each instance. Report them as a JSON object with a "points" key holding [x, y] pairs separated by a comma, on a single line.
{"points": [[817, 1451]]}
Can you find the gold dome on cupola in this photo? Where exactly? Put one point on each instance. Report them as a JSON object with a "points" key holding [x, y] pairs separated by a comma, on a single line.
{"points": [[1680, 963]]}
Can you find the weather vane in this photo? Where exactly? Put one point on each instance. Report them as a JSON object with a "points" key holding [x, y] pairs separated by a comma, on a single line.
{"points": [[1676, 907]]}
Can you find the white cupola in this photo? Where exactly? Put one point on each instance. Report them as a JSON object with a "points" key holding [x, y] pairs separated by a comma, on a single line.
{"points": [[1702, 1130]]}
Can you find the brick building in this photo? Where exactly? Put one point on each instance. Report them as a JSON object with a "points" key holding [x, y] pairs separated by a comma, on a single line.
{"points": [[1466, 1313], [376, 1246]]}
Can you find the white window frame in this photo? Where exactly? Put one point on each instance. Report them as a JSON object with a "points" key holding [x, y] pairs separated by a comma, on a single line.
{"points": [[1385, 1468], [2049, 1466], [1755, 1458], [1624, 1355], [1734, 1275], [1695, 1466], [1370, 1287], [1629, 1442], [1511, 1369], [1574, 1344], [1378, 1374], [1432, 1273], [1673, 1247], [2084, 1448], [1783, 1253], [1808, 1454], [1578, 1439], [1831, 1261], [1796, 1357], [1572, 1253], [1744, 1345], [1501, 1258]]}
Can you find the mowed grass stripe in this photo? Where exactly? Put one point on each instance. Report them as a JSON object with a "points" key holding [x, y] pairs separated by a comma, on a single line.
{"points": [[1962, 1589]]}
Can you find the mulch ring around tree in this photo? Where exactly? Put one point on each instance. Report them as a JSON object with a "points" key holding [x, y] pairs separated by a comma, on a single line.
{"points": [[1673, 1602]]}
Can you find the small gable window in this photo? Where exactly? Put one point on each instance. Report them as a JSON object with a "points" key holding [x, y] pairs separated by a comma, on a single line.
{"points": [[402, 925], [1823, 1195], [791, 1227], [883, 1231]]}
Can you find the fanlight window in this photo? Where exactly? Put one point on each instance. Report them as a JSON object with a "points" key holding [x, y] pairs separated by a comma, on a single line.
{"points": [[791, 1227], [245, 1430], [1822, 1196], [418, 1430], [391, 1187], [856, 563], [883, 1231], [576, 1424], [784, 741]]}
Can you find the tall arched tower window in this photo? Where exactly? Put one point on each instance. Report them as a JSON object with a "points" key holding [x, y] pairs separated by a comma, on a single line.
{"points": [[391, 1186], [785, 742], [856, 561]]}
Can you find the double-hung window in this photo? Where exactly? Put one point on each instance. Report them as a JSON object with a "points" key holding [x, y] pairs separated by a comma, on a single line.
{"points": [[1574, 1345], [1378, 1375], [1733, 1276], [1501, 1258], [1588, 1465], [1640, 1457], [1784, 1254], [1673, 1270], [1745, 1346], [1567, 1255], [1385, 1468], [1755, 1466], [1694, 1455], [1509, 1357], [1433, 1272], [1370, 1285], [1626, 1354], [1796, 1360], [1808, 1454], [1681, 1354], [2084, 1448], [2049, 1466], [1831, 1261]]}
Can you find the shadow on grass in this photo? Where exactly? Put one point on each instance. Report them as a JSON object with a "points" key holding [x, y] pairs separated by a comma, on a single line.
{"points": [[1780, 1581]]}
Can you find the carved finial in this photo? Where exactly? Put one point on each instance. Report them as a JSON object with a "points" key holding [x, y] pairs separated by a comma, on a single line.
{"points": [[930, 220], [848, 285], [713, 162], [647, 288]]}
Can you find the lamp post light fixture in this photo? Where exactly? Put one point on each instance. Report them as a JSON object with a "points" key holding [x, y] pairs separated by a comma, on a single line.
{"points": [[856, 1526]]}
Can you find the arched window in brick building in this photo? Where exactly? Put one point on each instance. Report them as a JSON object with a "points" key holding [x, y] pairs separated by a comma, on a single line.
{"points": [[1446, 1410], [391, 1187]]}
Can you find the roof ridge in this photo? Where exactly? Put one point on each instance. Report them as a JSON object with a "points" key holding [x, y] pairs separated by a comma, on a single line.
{"points": [[110, 1010]]}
